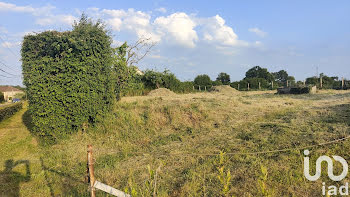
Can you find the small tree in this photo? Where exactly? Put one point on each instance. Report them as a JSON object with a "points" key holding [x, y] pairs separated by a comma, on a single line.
{"points": [[281, 76], [202, 80], [258, 72], [224, 78]]}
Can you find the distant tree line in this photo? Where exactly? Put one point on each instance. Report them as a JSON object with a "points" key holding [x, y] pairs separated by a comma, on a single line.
{"points": [[72, 78]]}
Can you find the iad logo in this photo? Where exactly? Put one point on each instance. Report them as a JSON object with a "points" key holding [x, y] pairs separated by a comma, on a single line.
{"points": [[329, 167], [330, 190]]}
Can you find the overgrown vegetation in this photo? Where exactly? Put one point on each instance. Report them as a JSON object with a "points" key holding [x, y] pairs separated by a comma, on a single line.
{"points": [[148, 140], [2, 98], [68, 77], [9, 110]]}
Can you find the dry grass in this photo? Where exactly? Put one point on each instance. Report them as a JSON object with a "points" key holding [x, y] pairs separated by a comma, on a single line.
{"points": [[161, 92], [145, 136]]}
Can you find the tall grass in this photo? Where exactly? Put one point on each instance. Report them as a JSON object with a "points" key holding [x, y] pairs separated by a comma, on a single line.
{"points": [[152, 146]]}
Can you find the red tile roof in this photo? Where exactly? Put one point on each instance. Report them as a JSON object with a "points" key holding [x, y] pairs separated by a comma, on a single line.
{"points": [[8, 89]]}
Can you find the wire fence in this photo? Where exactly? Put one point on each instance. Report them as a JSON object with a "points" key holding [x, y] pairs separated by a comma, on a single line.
{"points": [[105, 151]]}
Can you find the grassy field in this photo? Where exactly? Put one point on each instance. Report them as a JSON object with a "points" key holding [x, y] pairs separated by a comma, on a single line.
{"points": [[175, 146]]}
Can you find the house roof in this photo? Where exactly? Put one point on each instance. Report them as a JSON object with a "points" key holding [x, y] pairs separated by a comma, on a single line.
{"points": [[9, 89]]}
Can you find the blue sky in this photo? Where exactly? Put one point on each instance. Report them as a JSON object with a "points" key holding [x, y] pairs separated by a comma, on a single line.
{"points": [[197, 37]]}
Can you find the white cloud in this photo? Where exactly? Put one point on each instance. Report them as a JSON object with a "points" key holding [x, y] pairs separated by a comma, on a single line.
{"points": [[9, 7], [215, 31], [258, 32], [162, 10], [56, 19], [44, 14], [178, 27], [116, 43], [137, 22], [10, 44], [155, 56], [15, 8]]}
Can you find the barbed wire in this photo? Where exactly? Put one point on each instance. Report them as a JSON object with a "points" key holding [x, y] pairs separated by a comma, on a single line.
{"points": [[103, 151]]}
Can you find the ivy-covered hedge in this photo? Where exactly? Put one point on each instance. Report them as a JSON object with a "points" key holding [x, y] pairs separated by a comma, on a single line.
{"points": [[8, 111], [68, 77]]}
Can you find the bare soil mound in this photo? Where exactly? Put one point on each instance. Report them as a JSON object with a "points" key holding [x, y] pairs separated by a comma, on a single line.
{"points": [[161, 92], [225, 89]]}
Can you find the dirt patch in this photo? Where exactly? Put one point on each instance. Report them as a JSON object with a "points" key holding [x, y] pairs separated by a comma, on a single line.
{"points": [[225, 89], [161, 92]]}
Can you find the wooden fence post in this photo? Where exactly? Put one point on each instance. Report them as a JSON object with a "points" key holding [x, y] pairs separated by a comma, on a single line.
{"points": [[287, 84], [321, 82], [90, 169], [238, 86], [199, 88], [272, 85], [342, 83], [205, 88], [259, 85], [248, 86]]}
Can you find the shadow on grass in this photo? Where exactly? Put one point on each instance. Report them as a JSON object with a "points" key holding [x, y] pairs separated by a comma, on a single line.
{"points": [[70, 185], [28, 122], [10, 180]]}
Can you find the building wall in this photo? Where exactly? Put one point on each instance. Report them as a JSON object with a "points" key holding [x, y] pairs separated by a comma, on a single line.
{"points": [[7, 95]]}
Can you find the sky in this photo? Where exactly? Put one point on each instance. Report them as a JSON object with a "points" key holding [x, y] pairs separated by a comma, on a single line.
{"points": [[198, 37]]}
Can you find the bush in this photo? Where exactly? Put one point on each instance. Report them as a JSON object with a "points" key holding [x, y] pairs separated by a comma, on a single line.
{"points": [[202, 80], [68, 77], [10, 110], [2, 98], [300, 90], [253, 84]]}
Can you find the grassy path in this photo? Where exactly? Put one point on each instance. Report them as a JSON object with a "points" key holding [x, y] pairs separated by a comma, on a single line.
{"points": [[21, 172]]}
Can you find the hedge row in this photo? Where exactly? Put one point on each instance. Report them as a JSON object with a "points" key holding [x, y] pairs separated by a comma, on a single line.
{"points": [[68, 77], [10, 110]]}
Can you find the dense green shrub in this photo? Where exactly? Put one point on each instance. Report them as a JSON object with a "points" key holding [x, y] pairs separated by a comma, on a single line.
{"points": [[300, 90], [202, 80], [224, 78], [8, 111], [2, 98], [68, 77], [253, 84], [153, 79]]}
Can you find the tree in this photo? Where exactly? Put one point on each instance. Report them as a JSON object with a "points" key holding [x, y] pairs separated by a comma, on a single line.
{"points": [[166, 79], [202, 80], [152, 79], [224, 78], [134, 53], [281, 76], [258, 72], [125, 77]]}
